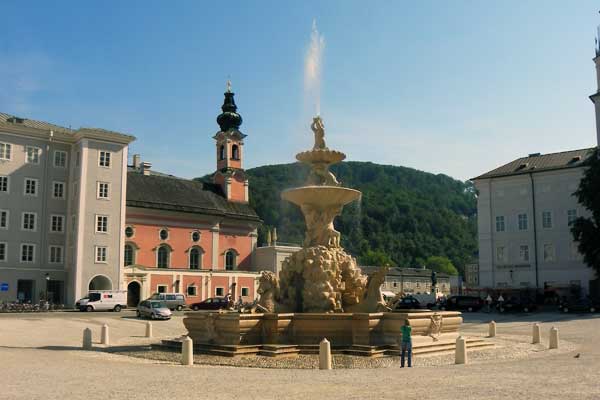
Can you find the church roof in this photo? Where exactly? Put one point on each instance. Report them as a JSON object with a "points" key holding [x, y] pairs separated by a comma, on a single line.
{"points": [[164, 192], [540, 162]]}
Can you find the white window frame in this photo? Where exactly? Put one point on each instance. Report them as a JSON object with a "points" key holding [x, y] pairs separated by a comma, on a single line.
{"points": [[39, 152], [98, 260], [32, 256], [187, 292], [168, 234], [97, 219], [544, 213], [524, 250], [549, 259], [502, 220], [3, 151], [5, 259], [525, 221], [168, 256], [7, 219], [62, 254], [162, 285], [200, 257], [34, 221], [54, 184], [7, 184], [98, 191], [569, 221], [100, 153], [37, 187], [62, 223], [217, 289], [247, 291], [64, 153]]}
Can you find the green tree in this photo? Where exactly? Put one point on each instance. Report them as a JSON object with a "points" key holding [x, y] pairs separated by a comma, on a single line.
{"points": [[441, 264], [586, 231], [376, 258]]}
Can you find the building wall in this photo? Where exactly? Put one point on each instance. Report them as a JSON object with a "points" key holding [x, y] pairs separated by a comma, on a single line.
{"points": [[510, 196], [270, 258]]}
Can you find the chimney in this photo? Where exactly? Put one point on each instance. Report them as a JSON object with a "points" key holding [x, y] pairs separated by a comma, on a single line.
{"points": [[146, 167], [137, 160]]}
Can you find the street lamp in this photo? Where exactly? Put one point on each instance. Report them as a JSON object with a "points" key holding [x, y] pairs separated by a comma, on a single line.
{"points": [[47, 282]]}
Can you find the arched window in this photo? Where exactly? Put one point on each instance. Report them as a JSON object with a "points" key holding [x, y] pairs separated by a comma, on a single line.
{"points": [[129, 255], [235, 152], [195, 258], [162, 258], [230, 260], [222, 152]]}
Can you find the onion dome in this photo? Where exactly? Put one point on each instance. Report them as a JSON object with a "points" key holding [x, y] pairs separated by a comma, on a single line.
{"points": [[229, 119]]}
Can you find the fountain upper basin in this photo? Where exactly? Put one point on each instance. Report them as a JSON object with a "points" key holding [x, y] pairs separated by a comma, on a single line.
{"points": [[321, 156], [321, 196]]}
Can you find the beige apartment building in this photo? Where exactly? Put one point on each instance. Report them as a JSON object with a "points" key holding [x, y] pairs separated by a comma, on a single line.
{"points": [[62, 209]]}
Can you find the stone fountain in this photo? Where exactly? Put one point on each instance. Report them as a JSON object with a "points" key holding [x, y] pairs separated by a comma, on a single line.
{"points": [[320, 291]]}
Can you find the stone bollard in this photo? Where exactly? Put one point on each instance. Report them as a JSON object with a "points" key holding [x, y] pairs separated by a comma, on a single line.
{"points": [[536, 334], [553, 338], [461, 351], [87, 339], [492, 329], [149, 329], [187, 351], [104, 339], [324, 354]]}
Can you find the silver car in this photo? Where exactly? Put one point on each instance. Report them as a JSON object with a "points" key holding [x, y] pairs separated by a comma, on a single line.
{"points": [[153, 309]]}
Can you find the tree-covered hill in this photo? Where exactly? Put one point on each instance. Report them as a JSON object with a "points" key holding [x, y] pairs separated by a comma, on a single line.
{"points": [[405, 214]]}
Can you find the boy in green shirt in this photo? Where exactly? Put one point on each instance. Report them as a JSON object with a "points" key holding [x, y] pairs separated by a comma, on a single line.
{"points": [[406, 343]]}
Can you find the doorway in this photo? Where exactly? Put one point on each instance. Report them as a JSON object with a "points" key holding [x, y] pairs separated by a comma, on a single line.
{"points": [[133, 294], [25, 289]]}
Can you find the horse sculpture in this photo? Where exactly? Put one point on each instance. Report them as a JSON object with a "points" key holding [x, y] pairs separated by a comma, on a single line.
{"points": [[268, 290]]}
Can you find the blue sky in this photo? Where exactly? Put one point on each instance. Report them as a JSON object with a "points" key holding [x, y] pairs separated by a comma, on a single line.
{"points": [[446, 87]]}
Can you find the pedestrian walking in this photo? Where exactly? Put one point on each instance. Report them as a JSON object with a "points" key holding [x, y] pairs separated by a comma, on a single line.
{"points": [[406, 344], [488, 302], [500, 302]]}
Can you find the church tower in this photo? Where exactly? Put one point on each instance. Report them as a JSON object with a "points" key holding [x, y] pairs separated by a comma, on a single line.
{"points": [[596, 97], [230, 174]]}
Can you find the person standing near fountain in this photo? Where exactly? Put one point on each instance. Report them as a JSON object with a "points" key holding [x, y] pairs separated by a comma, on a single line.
{"points": [[406, 343]]}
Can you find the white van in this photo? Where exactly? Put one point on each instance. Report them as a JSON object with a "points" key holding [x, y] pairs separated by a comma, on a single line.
{"points": [[102, 300]]}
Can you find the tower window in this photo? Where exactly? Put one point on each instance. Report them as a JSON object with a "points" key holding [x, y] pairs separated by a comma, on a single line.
{"points": [[222, 152], [235, 152]]}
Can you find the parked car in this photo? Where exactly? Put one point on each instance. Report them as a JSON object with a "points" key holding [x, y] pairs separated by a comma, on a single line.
{"points": [[517, 305], [154, 309], [78, 302], [408, 303], [462, 303], [581, 305], [104, 300], [212, 303], [175, 301]]}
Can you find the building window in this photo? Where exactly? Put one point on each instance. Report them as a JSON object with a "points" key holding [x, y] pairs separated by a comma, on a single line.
{"points": [[29, 219], [571, 216], [500, 226], [128, 256], [523, 223], [163, 234], [57, 223], [162, 257], [500, 254], [222, 152], [195, 236], [56, 255], [549, 252], [546, 219], [60, 159], [524, 253], [101, 254], [4, 219], [161, 288], [235, 152], [245, 291], [129, 232], [3, 184], [3, 252], [104, 159], [102, 190], [219, 291], [27, 253], [58, 190], [101, 223], [195, 256], [192, 291], [230, 260], [31, 187], [5, 151], [32, 155]]}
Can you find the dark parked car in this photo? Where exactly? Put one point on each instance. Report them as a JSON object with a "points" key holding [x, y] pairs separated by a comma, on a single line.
{"points": [[213, 303], [581, 305], [462, 303], [517, 305], [408, 303]]}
